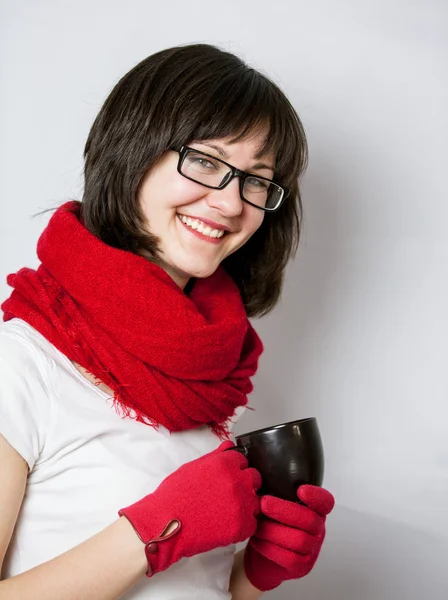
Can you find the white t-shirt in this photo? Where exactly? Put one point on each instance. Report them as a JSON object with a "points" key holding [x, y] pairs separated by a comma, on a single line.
{"points": [[86, 462]]}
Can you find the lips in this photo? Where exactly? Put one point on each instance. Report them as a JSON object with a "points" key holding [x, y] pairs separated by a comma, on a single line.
{"points": [[207, 222], [201, 227]]}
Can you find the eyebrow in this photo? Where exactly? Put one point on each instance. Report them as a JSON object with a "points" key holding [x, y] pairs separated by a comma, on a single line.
{"points": [[223, 153]]}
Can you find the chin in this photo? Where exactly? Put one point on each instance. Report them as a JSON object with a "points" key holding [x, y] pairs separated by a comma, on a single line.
{"points": [[198, 271], [202, 273]]}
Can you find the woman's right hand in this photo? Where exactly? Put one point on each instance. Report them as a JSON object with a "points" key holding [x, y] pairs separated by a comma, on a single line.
{"points": [[207, 503]]}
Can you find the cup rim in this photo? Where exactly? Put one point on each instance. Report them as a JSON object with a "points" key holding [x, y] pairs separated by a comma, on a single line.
{"points": [[274, 427]]}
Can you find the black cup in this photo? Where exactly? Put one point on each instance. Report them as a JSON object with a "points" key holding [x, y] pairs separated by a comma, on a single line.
{"points": [[286, 455]]}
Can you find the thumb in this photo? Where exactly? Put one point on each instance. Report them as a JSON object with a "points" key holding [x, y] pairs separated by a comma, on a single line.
{"points": [[316, 498]]}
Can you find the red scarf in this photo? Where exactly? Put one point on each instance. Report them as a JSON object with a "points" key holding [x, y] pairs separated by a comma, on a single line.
{"points": [[171, 359]]}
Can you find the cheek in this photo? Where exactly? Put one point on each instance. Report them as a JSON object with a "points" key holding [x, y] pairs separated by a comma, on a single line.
{"points": [[164, 189], [254, 221], [180, 191]]}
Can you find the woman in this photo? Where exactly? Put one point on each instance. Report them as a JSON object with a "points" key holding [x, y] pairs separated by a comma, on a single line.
{"points": [[124, 357]]}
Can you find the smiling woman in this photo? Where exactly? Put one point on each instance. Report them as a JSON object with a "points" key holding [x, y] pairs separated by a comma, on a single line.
{"points": [[127, 356], [202, 97]]}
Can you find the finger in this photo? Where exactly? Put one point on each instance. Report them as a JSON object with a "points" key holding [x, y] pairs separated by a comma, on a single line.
{"points": [[255, 476], [226, 454], [287, 559], [317, 498], [226, 445], [292, 514], [289, 538]]}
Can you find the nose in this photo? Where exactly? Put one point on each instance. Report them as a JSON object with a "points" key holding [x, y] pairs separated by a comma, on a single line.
{"points": [[227, 200]]}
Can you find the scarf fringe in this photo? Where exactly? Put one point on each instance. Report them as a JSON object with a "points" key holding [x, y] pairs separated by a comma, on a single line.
{"points": [[221, 430], [89, 363]]}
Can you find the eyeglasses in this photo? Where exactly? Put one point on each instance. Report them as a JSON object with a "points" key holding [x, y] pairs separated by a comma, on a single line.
{"points": [[216, 174]]}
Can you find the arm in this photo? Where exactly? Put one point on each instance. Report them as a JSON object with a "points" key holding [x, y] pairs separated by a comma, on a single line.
{"points": [[240, 587], [14, 472], [101, 568]]}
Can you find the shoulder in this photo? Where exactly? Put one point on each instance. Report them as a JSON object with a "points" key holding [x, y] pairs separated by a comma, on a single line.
{"points": [[26, 396], [22, 352]]}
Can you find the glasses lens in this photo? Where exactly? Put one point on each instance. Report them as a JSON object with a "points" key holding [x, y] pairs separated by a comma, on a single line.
{"points": [[214, 173], [262, 192], [204, 169]]}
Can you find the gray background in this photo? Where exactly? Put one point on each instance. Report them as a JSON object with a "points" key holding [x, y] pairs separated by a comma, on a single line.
{"points": [[360, 337]]}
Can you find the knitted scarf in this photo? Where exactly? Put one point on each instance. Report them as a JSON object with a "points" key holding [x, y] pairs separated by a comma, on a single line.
{"points": [[171, 359]]}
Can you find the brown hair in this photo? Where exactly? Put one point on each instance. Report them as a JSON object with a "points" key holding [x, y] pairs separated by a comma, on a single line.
{"points": [[171, 98]]}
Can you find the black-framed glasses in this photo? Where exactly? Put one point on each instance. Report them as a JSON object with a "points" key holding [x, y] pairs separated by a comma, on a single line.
{"points": [[214, 173]]}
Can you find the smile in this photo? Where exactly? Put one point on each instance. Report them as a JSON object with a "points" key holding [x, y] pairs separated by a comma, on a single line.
{"points": [[201, 227]]}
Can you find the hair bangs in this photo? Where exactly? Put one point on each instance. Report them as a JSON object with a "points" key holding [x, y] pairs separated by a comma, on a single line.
{"points": [[243, 104]]}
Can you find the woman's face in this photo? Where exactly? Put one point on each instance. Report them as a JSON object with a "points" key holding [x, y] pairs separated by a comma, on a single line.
{"points": [[166, 196]]}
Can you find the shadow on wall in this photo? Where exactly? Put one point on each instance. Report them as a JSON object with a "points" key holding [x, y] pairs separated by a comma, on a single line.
{"points": [[297, 331], [370, 558]]}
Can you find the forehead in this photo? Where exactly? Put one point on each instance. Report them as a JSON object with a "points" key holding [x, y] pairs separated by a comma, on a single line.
{"points": [[254, 146]]}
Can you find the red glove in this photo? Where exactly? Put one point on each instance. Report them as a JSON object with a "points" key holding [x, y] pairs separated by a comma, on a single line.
{"points": [[287, 543], [210, 502]]}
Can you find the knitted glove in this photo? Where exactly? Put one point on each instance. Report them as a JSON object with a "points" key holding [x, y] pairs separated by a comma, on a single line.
{"points": [[287, 543], [210, 502]]}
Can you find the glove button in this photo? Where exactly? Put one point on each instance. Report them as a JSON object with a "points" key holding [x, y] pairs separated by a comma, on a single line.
{"points": [[151, 548]]}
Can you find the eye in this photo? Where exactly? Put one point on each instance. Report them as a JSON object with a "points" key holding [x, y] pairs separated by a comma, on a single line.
{"points": [[202, 162], [257, 184]]}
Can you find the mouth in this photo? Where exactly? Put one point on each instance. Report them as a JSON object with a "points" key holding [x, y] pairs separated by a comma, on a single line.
{"points": [[204, 230]]}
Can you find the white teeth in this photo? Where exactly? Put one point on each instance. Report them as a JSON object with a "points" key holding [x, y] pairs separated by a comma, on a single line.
{"points": [[201, 227]]}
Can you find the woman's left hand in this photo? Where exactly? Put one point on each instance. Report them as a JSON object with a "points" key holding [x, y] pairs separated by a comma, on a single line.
{"points": [[288, 538]]}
